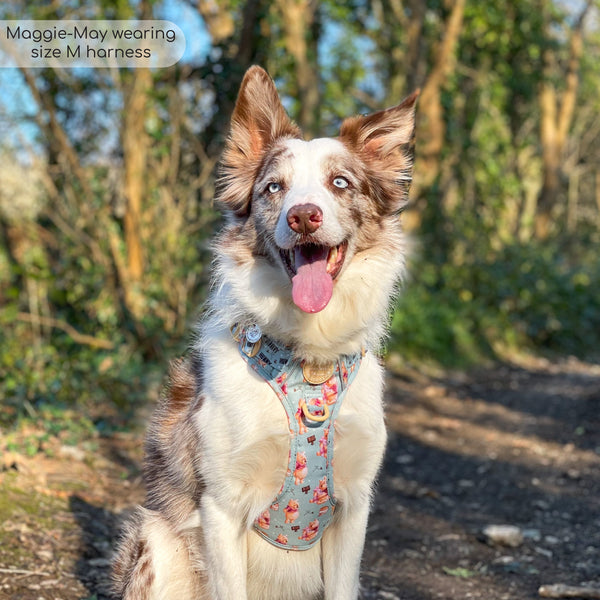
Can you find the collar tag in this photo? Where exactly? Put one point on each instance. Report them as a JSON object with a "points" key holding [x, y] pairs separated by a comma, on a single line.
{"points": [[251, 341], [253, 333], [236, 331]]}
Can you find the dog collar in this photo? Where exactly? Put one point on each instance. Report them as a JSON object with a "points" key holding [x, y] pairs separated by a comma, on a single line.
{"points": [[311, 396]]}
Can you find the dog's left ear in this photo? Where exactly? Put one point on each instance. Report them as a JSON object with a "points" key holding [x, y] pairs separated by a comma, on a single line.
{"points": [[258, 120], [384, 140]]}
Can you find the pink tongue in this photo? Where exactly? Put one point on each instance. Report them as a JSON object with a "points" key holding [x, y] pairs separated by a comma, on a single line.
{"points": [[312, 286]]}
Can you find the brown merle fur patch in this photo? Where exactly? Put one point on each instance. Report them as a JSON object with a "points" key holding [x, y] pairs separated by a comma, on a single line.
{"points": [[242, 244], [172, 457], [384, 142], [171, 473], [276, 155], [132, 573], [258, 121]]}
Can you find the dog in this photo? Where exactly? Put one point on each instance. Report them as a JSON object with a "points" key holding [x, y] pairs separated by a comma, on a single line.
{"points": [[306, 266]]}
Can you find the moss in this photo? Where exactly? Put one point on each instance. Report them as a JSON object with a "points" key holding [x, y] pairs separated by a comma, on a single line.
{"points": [[17, 504]]}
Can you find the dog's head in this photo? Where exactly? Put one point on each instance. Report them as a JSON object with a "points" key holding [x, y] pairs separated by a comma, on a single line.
{"points": [[312, 209]]}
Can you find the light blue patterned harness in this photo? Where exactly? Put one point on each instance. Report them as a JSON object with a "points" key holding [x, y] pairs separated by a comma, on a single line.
{"points": [[304, 506]]}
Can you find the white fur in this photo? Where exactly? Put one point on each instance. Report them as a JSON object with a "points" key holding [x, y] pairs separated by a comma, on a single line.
{"points": [[307, 187], [350, 320], [171, 561]]}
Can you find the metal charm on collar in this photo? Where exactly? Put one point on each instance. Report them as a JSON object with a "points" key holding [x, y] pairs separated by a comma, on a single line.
{"points": [[252, 341], [253, 333], [236, 331]]}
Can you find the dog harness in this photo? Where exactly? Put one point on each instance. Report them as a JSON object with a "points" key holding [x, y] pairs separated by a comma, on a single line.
{"points": [[311, 397]]}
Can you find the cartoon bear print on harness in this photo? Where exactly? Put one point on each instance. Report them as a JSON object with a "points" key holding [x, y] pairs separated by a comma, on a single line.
{"points": [[322, 451], [264, 519], [317, 404], [301, 470], [344, 374], [291, 511], [281, 382], [320, 493], [330, 391], [310, 532]]}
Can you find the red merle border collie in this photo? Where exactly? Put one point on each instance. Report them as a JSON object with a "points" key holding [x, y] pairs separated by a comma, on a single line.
{"points": [[309, 258]]}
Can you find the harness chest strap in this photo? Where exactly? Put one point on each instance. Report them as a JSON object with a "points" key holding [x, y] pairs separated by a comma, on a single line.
{"points": [[311, 397]]}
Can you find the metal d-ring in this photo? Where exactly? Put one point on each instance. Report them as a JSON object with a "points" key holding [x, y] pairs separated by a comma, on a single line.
{"points": [[317, 418]]}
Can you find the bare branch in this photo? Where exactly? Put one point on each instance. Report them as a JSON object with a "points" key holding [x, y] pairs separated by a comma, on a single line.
{"points": [[76, 336], [24, 572], [560, 590]]}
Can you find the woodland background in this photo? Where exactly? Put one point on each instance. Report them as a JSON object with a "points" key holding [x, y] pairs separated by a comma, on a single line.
{"points": [[107, 184]]}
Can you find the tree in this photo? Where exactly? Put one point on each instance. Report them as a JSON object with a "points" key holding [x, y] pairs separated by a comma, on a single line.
{"points": [[556, 115]]}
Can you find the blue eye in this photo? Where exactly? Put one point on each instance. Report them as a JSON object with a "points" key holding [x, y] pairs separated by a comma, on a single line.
{"points": [[274, 187], [341, 182]]}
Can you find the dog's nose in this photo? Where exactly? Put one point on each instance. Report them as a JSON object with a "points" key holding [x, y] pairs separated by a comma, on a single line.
{"points": [[305, 218]]}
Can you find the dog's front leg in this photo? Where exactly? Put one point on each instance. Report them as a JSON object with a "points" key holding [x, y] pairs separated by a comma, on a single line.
{"points": [[226, 551], [342, 549]]}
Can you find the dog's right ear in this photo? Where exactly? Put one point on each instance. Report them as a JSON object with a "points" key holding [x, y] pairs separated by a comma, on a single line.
{"points": [[258, 120]]}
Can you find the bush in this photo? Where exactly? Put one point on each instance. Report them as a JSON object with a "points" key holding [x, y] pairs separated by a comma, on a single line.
{"points": [[527, 296]]}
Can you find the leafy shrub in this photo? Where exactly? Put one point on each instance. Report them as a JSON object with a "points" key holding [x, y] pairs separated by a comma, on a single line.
{"points": [[532, 296]]}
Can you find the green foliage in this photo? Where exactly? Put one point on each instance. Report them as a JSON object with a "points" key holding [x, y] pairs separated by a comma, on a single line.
{"points": [[528, 296], [460, 572], [44, 380], [49, 422]]}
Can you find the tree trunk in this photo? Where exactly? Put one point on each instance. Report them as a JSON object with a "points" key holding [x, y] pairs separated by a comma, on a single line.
{"points": [[432, 126], [218, 19], [597, 196], [241, 48], [298, 20], [414, 51], [555, 122], [135, 150]]}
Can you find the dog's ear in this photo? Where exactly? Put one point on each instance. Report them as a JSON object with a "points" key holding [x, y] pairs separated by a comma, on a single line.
{"points": [[258, 120], [385, 141]]}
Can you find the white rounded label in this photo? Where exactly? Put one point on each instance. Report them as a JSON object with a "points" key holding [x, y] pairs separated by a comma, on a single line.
{"points": [[76, 44]]}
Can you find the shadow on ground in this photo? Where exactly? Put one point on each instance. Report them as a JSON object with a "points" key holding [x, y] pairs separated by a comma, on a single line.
{"points": [[99, 529], [505, 446]]}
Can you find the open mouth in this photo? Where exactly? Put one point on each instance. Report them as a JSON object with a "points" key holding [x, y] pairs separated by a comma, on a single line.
{"points": [[312, 269]]}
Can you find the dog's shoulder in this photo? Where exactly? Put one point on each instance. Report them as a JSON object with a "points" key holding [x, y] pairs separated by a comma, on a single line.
{"points": [[182, 393], [171, 465]]}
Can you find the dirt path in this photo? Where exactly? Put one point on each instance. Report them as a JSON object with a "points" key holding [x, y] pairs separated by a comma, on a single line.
{"points": [[509, 445]]}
